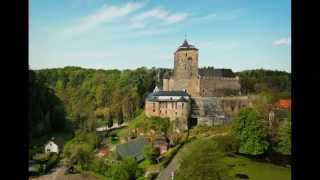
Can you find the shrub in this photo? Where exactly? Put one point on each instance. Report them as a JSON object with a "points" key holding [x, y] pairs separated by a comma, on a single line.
{"points": [[151, 153], [52, 162]]}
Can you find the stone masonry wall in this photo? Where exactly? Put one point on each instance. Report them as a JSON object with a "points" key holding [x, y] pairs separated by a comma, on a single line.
{"points": [[232, 105], [173, 110], [218, 86], [186, 64]]}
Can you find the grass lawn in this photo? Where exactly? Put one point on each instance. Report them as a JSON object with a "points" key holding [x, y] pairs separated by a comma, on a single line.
{"points": [[258, 170]]}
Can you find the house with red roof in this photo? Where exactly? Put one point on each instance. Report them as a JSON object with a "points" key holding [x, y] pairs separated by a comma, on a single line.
{"points": [[280, 110], [283, 104]]}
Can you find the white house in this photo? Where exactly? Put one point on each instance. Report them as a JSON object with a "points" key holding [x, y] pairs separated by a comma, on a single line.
{"points": [[51, 147]]}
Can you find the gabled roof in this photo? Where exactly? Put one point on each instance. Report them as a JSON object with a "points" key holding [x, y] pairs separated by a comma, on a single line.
{"points": [[170, 93], [155, 95], [133, 148]]}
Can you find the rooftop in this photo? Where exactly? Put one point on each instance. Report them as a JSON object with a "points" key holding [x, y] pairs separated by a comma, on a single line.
{"points": [[133, 148], [216, 72], [283, 104], [170, 93], [186, 46], [178, 96]]}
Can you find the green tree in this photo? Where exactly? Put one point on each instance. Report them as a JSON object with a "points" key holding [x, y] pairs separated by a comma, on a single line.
{"points": [[151, 153], [249, 132], [126, 169], [202, 164], [283, 138], [79, 149], [81, 155]]}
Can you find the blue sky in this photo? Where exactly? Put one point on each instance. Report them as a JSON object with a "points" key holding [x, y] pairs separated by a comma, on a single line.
{"points": [[108, 34]]}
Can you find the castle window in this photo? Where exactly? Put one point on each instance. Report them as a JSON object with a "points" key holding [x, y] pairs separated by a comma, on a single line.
{"points": [[186, 54], [182, 105]]}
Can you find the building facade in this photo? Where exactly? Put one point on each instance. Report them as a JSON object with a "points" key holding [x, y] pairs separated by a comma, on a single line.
{"points": [[174, 105]]}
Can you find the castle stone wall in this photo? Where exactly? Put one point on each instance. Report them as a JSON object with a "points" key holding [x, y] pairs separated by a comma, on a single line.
{"points": [[218, 86], [165, 84], [232, 105]]}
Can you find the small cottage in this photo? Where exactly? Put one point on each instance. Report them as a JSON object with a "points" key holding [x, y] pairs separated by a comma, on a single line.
{"points": [[134, 148], [51, 147], [161, 143]]}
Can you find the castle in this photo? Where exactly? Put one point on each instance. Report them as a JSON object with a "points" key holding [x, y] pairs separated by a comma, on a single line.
{"points": [[194, 97], [187, 77]]}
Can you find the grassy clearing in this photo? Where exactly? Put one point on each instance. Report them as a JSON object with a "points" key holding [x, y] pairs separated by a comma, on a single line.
{"points": [[257, 170]]}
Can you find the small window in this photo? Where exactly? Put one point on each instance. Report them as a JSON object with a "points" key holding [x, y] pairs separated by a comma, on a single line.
{"points": [[182, 105]]}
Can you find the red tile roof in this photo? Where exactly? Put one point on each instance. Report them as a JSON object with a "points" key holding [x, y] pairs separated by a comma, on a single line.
{"points": [[283, 104]]}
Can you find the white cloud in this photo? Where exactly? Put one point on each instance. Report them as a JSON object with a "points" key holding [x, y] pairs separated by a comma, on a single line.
{"points": [[106, 14], [158, 16], [282, 41], [222, 16], [86, 56]]}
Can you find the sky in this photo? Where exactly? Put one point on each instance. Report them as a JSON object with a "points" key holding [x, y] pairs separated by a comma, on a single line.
{"points": [[119, 34]]}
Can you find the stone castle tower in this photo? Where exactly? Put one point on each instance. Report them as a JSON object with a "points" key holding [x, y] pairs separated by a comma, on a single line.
{"points": [[186, 62], [186, 73]]}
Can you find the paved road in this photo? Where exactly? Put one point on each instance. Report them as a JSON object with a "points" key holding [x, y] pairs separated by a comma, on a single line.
{"points": [[58, 174], [166, 173]]}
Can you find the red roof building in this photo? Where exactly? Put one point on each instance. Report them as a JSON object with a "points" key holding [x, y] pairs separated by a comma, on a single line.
{"points": [[283, 104]]}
